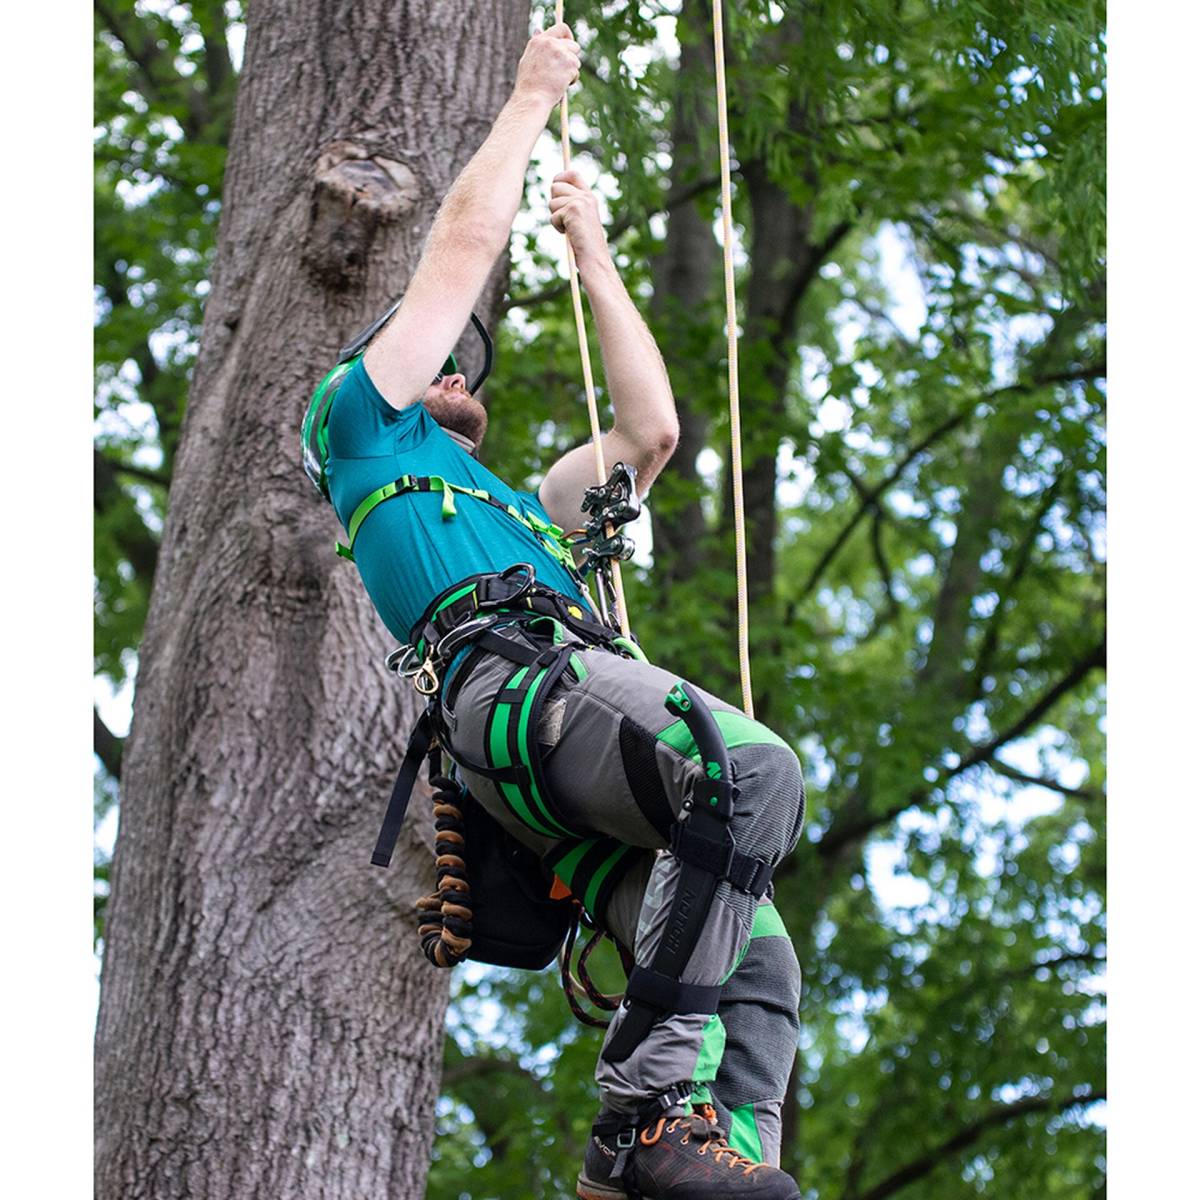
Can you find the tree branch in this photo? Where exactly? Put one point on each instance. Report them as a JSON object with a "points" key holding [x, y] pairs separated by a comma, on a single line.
{"points": [[835, 840], [1021, 561], [948, 426], [968, 1135], [106, 745], [133, 538], [882, 565], [1080, 671], [1002, 768], [145, 474], [477, 1066]]}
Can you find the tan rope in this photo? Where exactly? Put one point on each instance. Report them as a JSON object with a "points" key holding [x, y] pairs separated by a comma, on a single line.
{"points": [[735, 415], [585, 355]]}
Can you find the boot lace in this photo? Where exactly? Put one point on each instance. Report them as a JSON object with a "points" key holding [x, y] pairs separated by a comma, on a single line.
{"points": [[712, 1137]]}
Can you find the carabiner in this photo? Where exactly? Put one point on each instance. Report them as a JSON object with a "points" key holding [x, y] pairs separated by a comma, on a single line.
{"points": [[425, 680]]}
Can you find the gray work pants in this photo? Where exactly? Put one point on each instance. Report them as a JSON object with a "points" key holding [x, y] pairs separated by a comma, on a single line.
{"points": [[612, 755]]}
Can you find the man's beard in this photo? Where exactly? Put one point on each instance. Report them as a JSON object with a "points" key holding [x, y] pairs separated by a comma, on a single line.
{"points": [[460, 412]]}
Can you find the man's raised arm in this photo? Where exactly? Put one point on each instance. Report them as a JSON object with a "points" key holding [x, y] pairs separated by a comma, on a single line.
{"points": [[472, 227], [645, 425]]}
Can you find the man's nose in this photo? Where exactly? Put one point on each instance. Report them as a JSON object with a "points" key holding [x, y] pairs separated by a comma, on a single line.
{"points": [[456, 381]]}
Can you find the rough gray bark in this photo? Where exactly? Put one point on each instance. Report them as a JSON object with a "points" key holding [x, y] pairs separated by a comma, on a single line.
{"points": [[267, 1024]]}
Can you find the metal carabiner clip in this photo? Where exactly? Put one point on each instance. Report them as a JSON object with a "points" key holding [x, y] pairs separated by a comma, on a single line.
{"points": [[425, 680], [403, 662]]}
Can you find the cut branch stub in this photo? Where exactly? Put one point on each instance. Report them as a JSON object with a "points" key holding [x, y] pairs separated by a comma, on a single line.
{"points": [[354, 193]]}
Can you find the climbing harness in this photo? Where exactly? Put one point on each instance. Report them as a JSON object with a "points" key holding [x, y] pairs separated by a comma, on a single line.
{"points": [[552, 538], [525, 923], [457, 628]]}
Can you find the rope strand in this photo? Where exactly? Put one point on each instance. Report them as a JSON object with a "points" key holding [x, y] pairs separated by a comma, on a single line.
{"points": [[735, 415], [586, 358]]}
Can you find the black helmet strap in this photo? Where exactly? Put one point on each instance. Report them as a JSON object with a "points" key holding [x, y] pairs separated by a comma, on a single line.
{"points": [[359, 344]]}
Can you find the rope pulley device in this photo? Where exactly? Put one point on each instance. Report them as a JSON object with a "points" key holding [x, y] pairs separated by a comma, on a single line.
{"points": [[609, 506]]}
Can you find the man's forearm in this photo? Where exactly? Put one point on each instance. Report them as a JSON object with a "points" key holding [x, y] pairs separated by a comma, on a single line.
{"points": [[643, 406], [483, 201]]}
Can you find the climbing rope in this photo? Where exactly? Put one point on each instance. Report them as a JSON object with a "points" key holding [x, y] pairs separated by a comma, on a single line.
{"points": [[735, 417], [586, 358], [735, 414], [572, 986]]}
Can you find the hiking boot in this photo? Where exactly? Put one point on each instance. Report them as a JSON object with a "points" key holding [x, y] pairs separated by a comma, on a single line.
{"points": [[674, 1158]]}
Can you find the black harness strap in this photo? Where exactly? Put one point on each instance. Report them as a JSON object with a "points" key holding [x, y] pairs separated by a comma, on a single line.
{"points": [[418, 748]]}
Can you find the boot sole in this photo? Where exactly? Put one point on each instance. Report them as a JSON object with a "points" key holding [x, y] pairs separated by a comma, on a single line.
{"points": [[585, 1189]]}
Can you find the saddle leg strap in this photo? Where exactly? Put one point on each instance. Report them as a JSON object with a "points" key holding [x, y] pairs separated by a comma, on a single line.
{"points": [[512, 742]]}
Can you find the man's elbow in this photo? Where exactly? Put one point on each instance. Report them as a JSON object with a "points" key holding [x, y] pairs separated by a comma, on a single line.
{"points": [[667, 438], [468, 231], [657, 445]]}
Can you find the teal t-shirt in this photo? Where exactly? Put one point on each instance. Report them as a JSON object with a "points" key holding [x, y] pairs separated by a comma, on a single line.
{"points": [[406, 551]]}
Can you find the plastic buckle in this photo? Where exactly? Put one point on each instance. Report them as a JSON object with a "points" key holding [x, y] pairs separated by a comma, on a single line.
{"points": [[630, 1133], [762, 878]]}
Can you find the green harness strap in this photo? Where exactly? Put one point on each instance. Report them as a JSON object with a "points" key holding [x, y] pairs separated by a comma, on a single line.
{"points": [[550, 535], [511, 732]]}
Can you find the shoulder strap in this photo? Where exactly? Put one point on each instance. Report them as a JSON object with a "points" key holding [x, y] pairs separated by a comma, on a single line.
{"points": [[550, 536]]}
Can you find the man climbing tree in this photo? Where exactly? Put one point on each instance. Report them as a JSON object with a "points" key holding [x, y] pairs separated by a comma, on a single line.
{"points": [[620, 776]]}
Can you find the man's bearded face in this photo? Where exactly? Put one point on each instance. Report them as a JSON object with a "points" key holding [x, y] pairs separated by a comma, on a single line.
{"points": [[450, 404]]}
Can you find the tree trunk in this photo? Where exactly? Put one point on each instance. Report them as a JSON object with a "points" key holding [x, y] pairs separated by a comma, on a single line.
{"points": [[268, 1026], [685, 273]]}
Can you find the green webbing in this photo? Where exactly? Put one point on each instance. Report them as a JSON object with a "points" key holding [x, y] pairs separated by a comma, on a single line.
{"points": [[588, 889], [550, 536], [462, 591], [498, 744], [566, 867], [602, 873], [521, 806], [523, 750]]}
